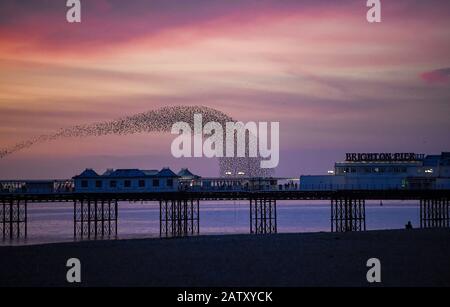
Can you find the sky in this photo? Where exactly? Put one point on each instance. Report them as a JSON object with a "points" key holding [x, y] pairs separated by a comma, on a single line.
{"points": [[335, 82]]}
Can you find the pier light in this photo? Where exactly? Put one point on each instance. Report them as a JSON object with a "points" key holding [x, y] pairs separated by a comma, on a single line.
{"points": [[330, 172], [429, 171], [241, 173], [228, 173]]}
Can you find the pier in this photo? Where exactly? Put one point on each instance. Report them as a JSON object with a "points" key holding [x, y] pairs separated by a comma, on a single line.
{"points": [[95, 215], [95, 218]]}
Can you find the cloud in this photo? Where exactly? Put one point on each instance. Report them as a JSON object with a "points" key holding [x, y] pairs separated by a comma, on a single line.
{"points": [[41, 25], [331, 79], [438, 76]]}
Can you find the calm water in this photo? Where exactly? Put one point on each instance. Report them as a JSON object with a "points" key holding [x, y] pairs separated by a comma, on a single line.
{"points": [[54, 222]]}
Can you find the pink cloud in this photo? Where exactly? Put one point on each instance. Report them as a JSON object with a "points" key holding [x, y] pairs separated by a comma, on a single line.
{"points": [[38, 26], [42, 25], [438, 76]]}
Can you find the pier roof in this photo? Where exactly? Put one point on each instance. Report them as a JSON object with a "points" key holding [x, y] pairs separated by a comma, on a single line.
{"points": [[186, 173], [166, 172], [127, 173], [88, 173]]}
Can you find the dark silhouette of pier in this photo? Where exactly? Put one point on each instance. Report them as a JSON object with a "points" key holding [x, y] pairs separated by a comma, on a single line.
{"points": [[95, 215]]}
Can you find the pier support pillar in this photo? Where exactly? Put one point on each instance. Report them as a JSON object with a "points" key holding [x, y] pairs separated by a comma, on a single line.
{"points": [[95, 218], [348, 214], [263, 216], [434, 213], [13, 219], [178, 218]]}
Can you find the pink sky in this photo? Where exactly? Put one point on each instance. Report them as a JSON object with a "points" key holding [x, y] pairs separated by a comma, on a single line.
{"points": [[334, 82]]}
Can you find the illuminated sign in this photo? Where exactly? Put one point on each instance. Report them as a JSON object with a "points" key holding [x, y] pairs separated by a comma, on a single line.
{"points": [[383, 157]]}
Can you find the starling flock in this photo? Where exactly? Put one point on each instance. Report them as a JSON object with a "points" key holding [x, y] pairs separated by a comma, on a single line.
{"points": [[159, 120]]}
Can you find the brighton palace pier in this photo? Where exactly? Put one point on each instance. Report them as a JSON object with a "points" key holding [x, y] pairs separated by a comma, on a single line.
{"points": [[360, 177]]}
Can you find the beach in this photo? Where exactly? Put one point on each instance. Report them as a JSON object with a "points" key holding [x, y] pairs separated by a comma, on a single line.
{"points": [[408, 258]]}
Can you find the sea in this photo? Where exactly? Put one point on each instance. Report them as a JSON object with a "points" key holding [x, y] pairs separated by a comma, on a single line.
{"points": [[53, 222]]}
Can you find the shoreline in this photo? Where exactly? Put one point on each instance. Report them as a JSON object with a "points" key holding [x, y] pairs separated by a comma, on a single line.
{"points": [[408, 257]]}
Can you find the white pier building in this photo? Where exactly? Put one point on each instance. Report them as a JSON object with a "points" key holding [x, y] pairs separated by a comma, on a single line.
{"points": [[384, 171]]}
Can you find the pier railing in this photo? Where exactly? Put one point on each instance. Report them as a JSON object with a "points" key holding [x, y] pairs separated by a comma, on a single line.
{"points": [[203, 185], [37, 186]]}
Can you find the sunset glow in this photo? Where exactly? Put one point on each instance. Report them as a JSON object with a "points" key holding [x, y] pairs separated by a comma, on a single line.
{"points": [[334, 82]]}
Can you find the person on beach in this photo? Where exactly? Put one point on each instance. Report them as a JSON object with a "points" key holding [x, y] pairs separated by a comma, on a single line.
{"points": [[409, 225]]}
